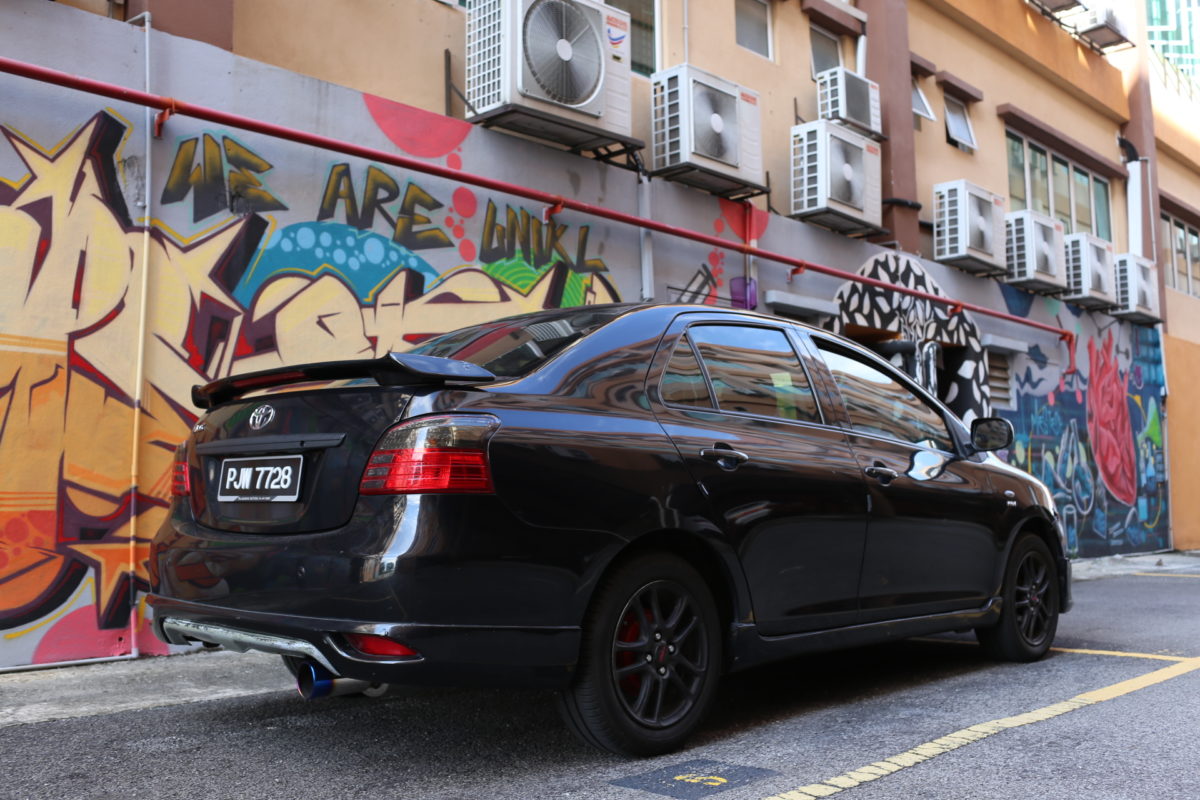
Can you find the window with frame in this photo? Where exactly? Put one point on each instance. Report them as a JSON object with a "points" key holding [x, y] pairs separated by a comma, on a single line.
{"points": [[641, 34], [752, 25], [826, 50], [1179, 253], [920, 105], [880, 405], [751, 371], [1053, 185], [958, 124]]}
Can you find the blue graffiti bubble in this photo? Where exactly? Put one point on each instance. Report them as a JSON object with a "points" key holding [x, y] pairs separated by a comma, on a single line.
{"points": [[365, 263], [373, 250]]}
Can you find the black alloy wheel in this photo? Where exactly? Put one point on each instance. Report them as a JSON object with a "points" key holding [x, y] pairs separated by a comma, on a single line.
{"points": [[1029, 615], [650, 659]]}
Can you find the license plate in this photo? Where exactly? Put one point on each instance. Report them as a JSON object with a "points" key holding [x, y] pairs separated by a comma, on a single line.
{"points": [[274, 479]]}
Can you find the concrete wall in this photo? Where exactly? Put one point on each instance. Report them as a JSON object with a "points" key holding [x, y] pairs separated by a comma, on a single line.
{"points": [[249, 252]]}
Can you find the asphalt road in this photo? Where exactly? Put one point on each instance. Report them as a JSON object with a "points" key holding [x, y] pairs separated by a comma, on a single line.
{"points": [[1111, 713]]}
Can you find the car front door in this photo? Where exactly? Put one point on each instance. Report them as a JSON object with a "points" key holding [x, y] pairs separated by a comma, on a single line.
{"points": [[931, 544], [737, 401]]}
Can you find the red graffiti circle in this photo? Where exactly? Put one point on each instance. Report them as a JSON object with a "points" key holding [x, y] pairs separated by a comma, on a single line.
{"points": [[464, 202], [1109, 426]]}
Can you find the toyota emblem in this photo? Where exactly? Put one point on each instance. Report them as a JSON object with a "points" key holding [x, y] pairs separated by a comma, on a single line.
{"points": [[261, 417]]}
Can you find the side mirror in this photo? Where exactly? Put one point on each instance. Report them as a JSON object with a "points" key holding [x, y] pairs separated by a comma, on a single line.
{"points": [[991, 433]]}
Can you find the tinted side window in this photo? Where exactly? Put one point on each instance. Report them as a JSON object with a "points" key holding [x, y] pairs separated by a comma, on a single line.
{"points": [[683, 383], [755, 371], [880, 405]]}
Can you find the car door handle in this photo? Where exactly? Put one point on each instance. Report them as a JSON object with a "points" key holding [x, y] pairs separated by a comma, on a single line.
{"points": [[884, 474], [726, 457]]}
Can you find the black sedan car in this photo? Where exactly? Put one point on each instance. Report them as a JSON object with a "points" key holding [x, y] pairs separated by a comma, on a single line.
{"points": [[621, 502]]}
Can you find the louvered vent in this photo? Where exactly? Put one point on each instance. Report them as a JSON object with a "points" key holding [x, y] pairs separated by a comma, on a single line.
{"points": [[484, 52], [668, 128], [948, 214], [1016, 248], [1075, 276], [999, 380], [806, 192]]}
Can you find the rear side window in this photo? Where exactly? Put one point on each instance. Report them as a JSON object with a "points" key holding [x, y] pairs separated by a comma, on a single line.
{"points": [[683, 383], [755, 371], [515, 346], [880, 405]]}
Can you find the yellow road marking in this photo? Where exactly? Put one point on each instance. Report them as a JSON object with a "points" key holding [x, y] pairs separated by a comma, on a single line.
{"points": [[975, 733], [1079, 651], [1166, 574], [1121, 653]]}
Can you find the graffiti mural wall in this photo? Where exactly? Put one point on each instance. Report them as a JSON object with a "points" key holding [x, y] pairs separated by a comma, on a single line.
{"points": [[1094, 434], [256, 259]]}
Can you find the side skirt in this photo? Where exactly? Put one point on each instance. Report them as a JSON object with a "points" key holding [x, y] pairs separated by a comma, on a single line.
{"points": [[748, 648]]}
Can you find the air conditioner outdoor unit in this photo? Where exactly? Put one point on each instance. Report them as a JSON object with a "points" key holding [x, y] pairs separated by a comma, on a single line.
{"points": [[835, 177], [1137, 289], [556, 69], [1089, 271], [1101, 26], [968, 227], [1036, 257], [848, 97], [707, 132]]}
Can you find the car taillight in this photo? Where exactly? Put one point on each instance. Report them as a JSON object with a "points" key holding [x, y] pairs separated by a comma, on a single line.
{"points": [[433, 455], [181, 476], [374, 645]]}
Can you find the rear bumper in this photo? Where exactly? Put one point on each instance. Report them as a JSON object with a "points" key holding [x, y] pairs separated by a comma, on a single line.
{"points": [[450, 655]]}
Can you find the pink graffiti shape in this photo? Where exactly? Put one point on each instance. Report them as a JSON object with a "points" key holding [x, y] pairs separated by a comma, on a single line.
{"points": [[76, 636], [464, 202], [415, 131], [1109, 428], [735, 216]]}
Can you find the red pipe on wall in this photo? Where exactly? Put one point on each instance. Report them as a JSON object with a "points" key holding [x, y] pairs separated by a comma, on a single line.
{"points": [[169, 106]]}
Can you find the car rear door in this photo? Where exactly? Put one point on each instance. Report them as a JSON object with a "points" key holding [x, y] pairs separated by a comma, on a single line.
{"points": [[736, 399], [931, 541]]}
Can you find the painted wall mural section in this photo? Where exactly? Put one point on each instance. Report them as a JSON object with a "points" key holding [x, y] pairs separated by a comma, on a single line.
{"points": [[250, 269], [1094, 436]]}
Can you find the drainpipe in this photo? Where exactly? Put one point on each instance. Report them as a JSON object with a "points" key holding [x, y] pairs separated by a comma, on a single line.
{"points": [[685, 31], [140, 358], [645, 243]]}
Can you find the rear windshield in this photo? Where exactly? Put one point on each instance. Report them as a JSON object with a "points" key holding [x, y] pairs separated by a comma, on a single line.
{"points": [[515, 346]]}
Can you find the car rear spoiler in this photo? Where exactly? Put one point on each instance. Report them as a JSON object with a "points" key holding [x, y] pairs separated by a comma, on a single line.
{"points": [[394, 369]]}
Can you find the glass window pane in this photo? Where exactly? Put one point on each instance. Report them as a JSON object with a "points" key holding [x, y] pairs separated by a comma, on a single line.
{"points": [[1102, 209], [958, 124], [920, 104], [1062, 194], [1165, 259], [1039, 180], [880, 405], [826, 50], [755, 371], [683, 382], [753, 26], [1016, 173], [641, 37], [1194, 257], [1083, 201], [1181, 268]]}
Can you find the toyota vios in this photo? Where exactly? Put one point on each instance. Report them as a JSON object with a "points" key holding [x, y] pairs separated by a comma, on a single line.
{"points": [[621, 502]]}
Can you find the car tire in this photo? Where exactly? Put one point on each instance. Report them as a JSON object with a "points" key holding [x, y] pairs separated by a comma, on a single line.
{"points": [[1030, 604], [650, 659]]}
